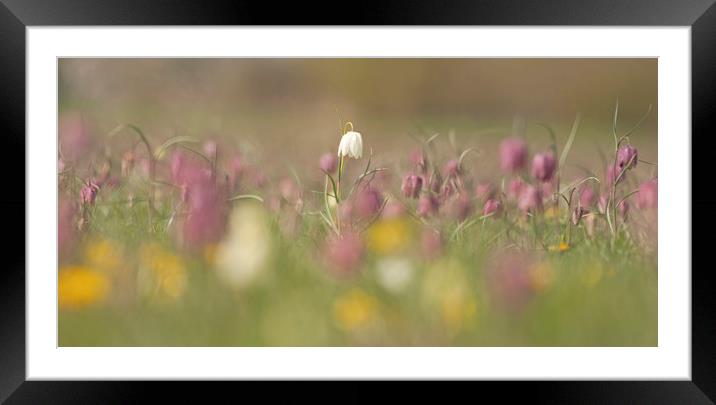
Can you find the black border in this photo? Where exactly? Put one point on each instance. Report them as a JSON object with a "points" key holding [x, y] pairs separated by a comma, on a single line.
{"points": [[15, 15]]}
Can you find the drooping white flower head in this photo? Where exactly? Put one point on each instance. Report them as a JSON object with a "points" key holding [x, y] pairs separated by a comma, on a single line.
{"points": [[351, 145]]}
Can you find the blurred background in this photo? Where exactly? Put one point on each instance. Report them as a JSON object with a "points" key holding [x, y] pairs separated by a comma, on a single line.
{"points": [[300, 101]]}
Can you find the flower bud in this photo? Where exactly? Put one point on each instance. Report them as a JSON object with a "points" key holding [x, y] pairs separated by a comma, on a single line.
{"points": [[627, 157]]}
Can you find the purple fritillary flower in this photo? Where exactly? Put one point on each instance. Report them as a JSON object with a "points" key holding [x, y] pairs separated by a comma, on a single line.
{"points": [[491, 206], [427, 205], [648, 195], [485, 191], [612, 174], [88, 193], [367, 202], [587, 197], [451, 168], [530, 199], [513, 154], [412, 184], [544, 166], [328, 163], [514, 189], [627, 158], [206, 221]]}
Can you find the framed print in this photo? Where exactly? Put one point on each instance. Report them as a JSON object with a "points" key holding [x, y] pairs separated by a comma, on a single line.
{"points": [[463, 193]]}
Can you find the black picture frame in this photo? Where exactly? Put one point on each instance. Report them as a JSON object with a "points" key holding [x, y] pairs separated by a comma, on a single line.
{"points": [[16, 15]]}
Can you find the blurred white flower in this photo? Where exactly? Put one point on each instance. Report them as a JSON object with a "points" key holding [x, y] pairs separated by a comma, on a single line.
{"points": [[242, 256], [394, 273], [351, 145]]}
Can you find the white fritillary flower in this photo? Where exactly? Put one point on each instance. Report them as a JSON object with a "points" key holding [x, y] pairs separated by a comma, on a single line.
{"points": [[351, 145]]}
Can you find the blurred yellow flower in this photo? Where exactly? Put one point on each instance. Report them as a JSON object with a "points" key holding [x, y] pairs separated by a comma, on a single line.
{"points": [[561, 247], [103, 254], [167, 272], [355, 310], [389, 235], [80, 287]]}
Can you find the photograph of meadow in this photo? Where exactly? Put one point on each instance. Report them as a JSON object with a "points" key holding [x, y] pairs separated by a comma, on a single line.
{"points": [[357, 202]]}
